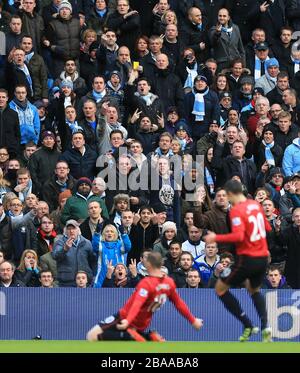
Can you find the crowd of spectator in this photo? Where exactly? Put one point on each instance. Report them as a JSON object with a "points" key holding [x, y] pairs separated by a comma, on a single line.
{"points": [[121, 121]]}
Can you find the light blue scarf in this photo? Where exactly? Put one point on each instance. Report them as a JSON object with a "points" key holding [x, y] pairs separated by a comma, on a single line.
{"points": [[228, 30], [274, 80], [101, 13], [268, 154], [192, 73], [27, 74], [73, 126], [199, 105], [28, 57], [98, 96], [257, 68], [147, 98]]}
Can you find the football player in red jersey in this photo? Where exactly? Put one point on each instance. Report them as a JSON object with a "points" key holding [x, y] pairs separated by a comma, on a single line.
{"points": [[248, 226], [135, 316]]}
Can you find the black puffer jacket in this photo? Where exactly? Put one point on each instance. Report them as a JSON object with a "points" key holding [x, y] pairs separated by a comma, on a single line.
{"points": [[5, 237], [10, 135], [41, 166], [39, 75]]}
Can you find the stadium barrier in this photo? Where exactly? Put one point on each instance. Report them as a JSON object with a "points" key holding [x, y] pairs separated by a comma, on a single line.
{"points": [[67, 314]]}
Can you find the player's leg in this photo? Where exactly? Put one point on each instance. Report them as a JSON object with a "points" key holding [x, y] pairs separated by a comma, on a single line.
{"points": [[258, 298], [94, 334], [231, 303]]}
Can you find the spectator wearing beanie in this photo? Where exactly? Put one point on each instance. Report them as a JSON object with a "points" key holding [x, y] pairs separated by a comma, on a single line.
{"points": [[63, 47], [76, 206], [169, 232], [268, 81], [56, 214], [42, 162], [265, 148], [60, 182]]}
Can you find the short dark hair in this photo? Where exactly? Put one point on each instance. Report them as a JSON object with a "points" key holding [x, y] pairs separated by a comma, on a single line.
{"points": [[227, 255], [116, 131], [274, 267], [46, 271], [29, 144], [175, 242], [2, 90], [234, 187]]}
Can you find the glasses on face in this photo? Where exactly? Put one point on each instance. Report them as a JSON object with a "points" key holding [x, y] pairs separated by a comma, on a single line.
{"points": [[278, 176]]}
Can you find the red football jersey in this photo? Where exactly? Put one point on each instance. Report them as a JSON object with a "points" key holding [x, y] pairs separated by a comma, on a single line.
{"points": [[248, 226], [150, 294]]}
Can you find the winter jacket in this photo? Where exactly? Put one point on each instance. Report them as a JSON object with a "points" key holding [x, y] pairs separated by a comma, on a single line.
{"points": [[14, 284], [15, 76], [215, 220], [277, 250], [41, 165], [131, 282], [259, 153], [204, 269], [194, 248], [149, 140], [265, 83], [29, 122], [141, 239], [86, 230], [39, 76], [80, 164], [29, 278], [170, 264], [80, 257], [284, 140], [6, 236], [291, 158], [179, 276], [10, 135], [227, 48], [109, 251], [96, 22], [79, 85], [33, 25], [282, 284], [76, 207], [103, 131], [134, 101], [212, 113], [51, 189], [291, 238], [127, 29], [191, 37]]}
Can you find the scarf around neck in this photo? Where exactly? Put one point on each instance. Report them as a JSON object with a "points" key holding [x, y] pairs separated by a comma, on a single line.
{"points": [[99, 96], [199, 105], [268, 154]]}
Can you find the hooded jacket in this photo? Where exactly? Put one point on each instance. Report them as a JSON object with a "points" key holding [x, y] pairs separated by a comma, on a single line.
{"points": [[291, 158], [29, 121]]}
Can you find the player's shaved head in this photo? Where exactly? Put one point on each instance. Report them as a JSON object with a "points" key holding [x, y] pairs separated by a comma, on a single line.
{"points": [[155, 260]]}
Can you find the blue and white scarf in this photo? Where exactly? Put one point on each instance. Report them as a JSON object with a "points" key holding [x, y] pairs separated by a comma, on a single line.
{"points": [[296, 64], [28, 57], [274, 80], [257, 68], [199, 105], [98, 96], [147, 98], [27, 74], [73, 126], [268, 154], [192, 73], [228, 30], [209, 179]]}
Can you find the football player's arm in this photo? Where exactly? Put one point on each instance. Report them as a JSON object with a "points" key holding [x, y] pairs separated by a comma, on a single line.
{"points": [[140, 298], [237, 230], [181, 306]]}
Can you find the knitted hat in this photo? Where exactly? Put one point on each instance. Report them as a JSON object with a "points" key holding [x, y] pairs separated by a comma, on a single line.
{"points": [[169, 225], [200, 77], [271, 62], [159, 207], [258, 90], [181, 125], [83, 180], [115, 72], [39, 103], [67, 83], [268, 129], [65, 4], [247, 79], [47, 134], [65, 194]]}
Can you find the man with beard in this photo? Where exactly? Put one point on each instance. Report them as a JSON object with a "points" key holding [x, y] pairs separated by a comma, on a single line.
{"points": [[185, 265]]}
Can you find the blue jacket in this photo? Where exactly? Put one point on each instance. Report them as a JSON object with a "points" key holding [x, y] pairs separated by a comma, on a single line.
{"points": [[291, 158], [109, 251], [204, 269], [29, 120]]}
